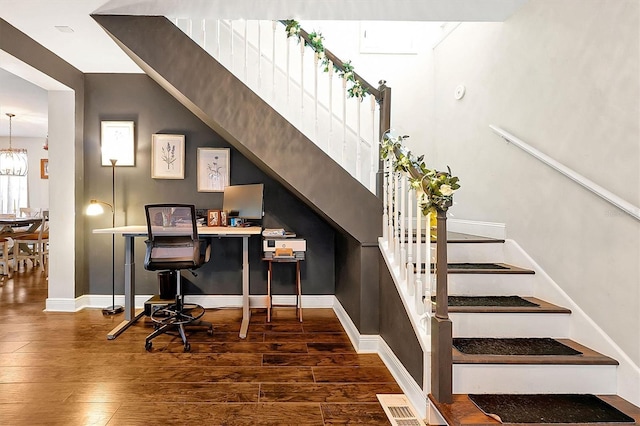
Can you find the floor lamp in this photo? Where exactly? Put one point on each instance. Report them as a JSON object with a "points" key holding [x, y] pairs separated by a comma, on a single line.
{"points": [[95, 208]]}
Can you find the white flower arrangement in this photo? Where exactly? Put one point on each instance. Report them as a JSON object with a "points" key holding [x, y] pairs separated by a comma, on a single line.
{"points": [[434, 189]]}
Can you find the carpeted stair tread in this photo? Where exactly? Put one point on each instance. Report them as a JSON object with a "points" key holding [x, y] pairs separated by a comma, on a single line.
{"points": [[462, 411], [482, 268], [502, 304], [538, 351], [549, 408]]}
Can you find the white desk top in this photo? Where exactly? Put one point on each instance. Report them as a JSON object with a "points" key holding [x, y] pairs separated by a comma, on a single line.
{"points": [[141, 230]]}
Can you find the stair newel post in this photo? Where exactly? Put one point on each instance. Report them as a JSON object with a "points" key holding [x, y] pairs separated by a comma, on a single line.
{"points": [[384, 100], [441, 326]]}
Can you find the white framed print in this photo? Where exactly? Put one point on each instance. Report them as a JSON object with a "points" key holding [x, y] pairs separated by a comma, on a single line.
{"points": [[213, 169], [117, 143], [167, 156]]}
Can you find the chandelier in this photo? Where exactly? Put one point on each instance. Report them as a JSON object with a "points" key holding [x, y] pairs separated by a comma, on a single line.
{"points": [[13, 162]]}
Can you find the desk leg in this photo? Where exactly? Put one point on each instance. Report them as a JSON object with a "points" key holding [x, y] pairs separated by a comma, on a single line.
{"points": [[246, 312], [130, 314]]}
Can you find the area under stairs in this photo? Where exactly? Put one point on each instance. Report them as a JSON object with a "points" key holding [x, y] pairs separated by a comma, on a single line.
{"points": [[508, 341]]}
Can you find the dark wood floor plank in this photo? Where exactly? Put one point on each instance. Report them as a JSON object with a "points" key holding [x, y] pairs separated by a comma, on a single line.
{"points": [[54, 414], [323, 359], [152, 392], [325, 392], [352, 374], [219, 414], [359, 413], [59, 368]]}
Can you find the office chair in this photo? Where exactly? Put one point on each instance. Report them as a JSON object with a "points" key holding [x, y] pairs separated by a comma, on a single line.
{"points": [[173, 245]]}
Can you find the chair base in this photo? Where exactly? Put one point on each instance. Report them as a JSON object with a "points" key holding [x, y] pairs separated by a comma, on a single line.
{"points": [[112, 310], [175, 317]]}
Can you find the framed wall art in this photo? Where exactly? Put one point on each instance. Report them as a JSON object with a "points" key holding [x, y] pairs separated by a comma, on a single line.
{"points": [[117, 143], [167, 156], [213, 169], [44, 168]]}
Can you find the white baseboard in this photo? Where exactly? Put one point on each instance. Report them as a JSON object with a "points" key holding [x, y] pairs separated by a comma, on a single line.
{"points": [[208, 301]]}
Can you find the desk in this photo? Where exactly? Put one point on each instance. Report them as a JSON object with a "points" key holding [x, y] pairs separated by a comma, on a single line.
{"points": [[131, 232]]}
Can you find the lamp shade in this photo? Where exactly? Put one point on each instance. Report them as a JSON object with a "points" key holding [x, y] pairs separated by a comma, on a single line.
{"points": [[94, 208]]}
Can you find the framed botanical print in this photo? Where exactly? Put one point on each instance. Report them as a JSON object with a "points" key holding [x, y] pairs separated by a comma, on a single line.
{"points": [[167, 156], [213, 169]]}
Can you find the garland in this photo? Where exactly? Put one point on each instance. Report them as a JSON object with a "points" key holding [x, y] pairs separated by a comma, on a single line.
{"points": [[434, 188], [356, 90]]}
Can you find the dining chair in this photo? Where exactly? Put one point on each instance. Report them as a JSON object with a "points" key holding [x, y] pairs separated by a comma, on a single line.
{"points": [[5, 256], [33, 246]]}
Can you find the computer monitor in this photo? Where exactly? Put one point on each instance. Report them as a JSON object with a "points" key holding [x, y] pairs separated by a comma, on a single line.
{"points": [[244, 201]]}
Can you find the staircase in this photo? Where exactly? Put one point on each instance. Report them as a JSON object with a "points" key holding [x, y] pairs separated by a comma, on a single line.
{"points": [[508, 341], [479, 267]]}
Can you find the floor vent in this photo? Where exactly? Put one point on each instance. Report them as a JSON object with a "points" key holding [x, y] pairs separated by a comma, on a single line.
{"points": [[399, 410]]}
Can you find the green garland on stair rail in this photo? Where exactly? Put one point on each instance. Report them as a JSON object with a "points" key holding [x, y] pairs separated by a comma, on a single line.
{"points": [[435, 189], [356, 90]]}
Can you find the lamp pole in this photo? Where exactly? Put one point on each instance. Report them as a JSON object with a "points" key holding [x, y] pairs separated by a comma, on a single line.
{"points": [[113, 309]]}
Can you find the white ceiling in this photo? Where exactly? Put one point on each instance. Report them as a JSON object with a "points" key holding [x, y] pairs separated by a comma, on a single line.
{"points": [[91, 50]]}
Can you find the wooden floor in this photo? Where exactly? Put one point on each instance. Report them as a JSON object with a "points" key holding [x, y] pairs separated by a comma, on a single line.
{"points": [[59, 369]]}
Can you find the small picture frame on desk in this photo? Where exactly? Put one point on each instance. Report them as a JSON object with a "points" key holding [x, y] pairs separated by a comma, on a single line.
{"points": [[213, 217]]}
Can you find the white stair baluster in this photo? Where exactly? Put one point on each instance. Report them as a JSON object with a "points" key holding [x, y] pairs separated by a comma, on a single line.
{"points": [[302, 49], [344, 123], [330, 134], [359, 141], [401, 234]]}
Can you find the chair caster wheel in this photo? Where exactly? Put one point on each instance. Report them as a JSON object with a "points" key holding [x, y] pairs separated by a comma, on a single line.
{"points": [[187, 347], [147, 346], [210, 332]]}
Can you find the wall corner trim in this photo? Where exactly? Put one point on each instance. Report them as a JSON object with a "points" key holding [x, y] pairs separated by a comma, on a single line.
{"points": [[370, 343]]}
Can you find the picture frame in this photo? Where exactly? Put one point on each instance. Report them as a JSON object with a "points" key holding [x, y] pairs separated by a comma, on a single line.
{"points": [[117, 142], [167, 156], [213, 217], [213, 170], [44, 168]]}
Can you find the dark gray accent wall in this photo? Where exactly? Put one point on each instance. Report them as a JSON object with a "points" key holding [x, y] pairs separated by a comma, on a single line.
{"points": [[269, 141], [395, 326], [30, 52], [138, 98]]}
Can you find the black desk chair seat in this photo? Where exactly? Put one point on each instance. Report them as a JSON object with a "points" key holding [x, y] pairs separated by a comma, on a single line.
{"points": [[173, 245]]}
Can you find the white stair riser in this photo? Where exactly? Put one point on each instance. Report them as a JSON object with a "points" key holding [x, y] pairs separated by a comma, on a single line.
{"points": [[483, 378], [510, 325], [475, 253], [490, 284]]}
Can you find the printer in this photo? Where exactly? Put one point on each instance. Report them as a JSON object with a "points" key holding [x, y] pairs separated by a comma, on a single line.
{"points": [[284, 248]]}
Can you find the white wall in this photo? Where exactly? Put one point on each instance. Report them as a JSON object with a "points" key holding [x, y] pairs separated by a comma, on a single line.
{"points": [[562, 76], [38, 188]]}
